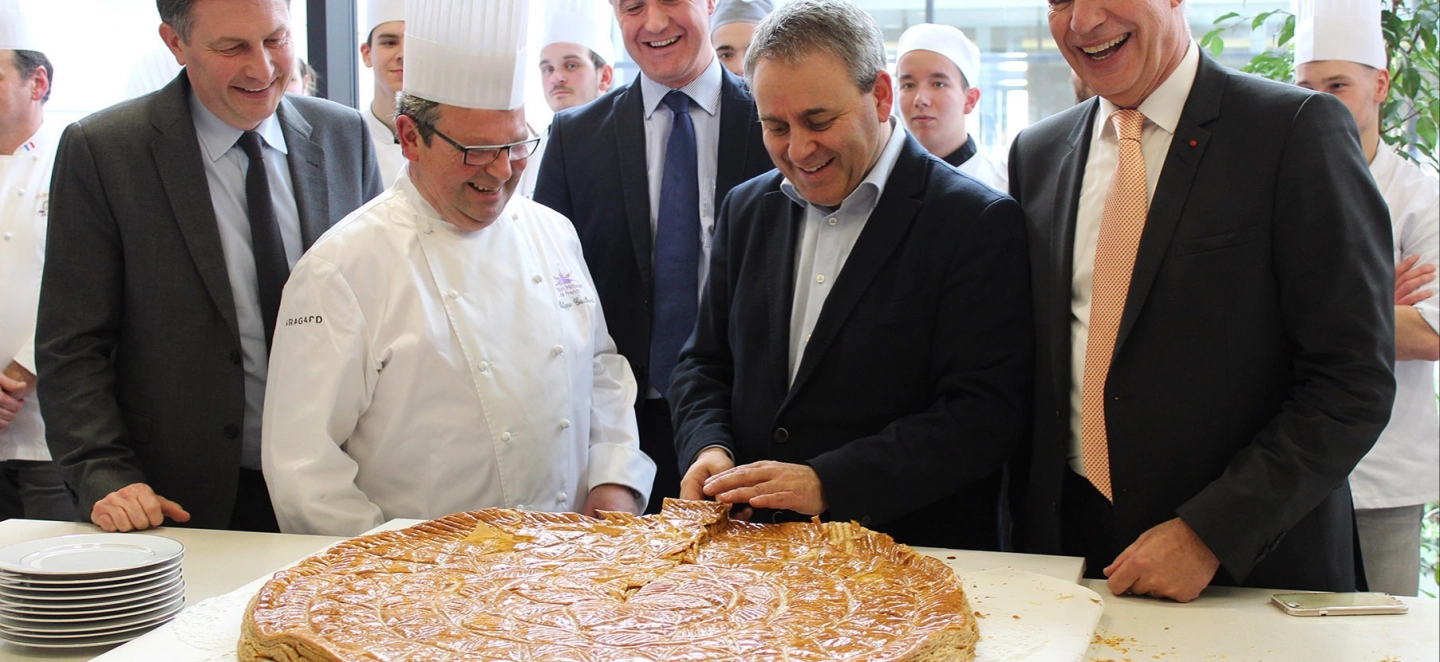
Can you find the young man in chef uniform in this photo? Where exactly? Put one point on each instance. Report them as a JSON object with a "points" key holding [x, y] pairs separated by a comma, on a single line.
{"points": [[442, 349], [383, 51], [1339, 49], [30, 483]]}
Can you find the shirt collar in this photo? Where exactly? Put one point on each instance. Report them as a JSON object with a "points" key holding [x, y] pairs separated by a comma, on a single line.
{"points": [[958, 157], [217, 137], [1163, 107], [704, 91], [867, 194]]}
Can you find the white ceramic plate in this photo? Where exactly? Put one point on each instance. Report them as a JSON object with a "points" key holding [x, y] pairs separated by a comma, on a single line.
{"points": [[88, 553], [85, 582], [95, 621], [98, 628], [105, 611], [56, 598], [78, 642], [74, 606]]}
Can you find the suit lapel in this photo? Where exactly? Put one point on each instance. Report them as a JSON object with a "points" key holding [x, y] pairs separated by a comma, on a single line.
{"points": [[1173, 189], [894, 213], [307, 172], [1070, 163], [737, 115], [782, 222], [629, 112], [178, 160]]}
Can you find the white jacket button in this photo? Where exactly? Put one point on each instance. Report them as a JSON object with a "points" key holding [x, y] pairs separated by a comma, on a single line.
{"points": [[564, 424], [505, 436], [557, 350]]}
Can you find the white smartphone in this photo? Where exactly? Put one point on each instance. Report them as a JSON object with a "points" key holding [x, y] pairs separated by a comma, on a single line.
{"points": [[1338, 604]]}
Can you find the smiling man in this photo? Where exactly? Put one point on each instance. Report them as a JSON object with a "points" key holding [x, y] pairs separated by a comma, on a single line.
{"points": [[1214, 325], [174, 221], [863, 345], [641, 172], [383, 51], [937, 75], [443, 348]]}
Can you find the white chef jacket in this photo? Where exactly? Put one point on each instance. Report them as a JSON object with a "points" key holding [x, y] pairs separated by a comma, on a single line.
{"points": [[388, 154], [24, 203], [1403, 469], [419, 370], [530, 176], [982, 168]]}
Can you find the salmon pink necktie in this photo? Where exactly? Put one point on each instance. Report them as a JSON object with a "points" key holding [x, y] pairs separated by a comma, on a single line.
{"points": [[1126, 205]]}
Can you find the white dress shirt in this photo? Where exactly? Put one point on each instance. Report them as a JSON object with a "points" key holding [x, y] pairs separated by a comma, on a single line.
{"points": [[1162, 113], [422, 370], [1403, 469], [24, 204], [826, 240], [226, 167]]}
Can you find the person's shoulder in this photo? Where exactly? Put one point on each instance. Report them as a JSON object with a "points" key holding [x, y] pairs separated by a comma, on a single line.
{"points": [[597, 112], [323, 111], [755, 188], [1056, 128], [348, 239], [124, 119]]}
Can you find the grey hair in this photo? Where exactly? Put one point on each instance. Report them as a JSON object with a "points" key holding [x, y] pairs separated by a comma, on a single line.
{"points": [[177, 13], [28, 61], [802, 28], [424, 111]]}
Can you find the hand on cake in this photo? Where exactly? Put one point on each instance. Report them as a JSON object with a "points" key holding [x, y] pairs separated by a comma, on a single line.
{"points": [[135, 507], [1168, 561], [774, 485]]}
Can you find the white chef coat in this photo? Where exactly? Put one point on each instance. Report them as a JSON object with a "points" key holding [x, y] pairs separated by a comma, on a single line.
{"points": [[419, 370], [24, 203], [388, 154], [982, 168], [1403, 469], [530, 176]]}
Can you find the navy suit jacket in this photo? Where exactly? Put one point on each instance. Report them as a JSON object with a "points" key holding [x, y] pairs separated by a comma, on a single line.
{"points": [[594, 173], [1252, 368], [916, 381]]}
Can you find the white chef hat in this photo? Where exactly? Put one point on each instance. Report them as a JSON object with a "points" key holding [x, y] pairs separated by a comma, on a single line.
{"points": [[584, 22], [16, 33], [740, 11], [1339, 30], [948, 41], [383, 11], [467, 53]]}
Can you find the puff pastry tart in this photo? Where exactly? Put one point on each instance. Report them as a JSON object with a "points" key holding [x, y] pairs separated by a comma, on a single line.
{"points": [[685, 584]]}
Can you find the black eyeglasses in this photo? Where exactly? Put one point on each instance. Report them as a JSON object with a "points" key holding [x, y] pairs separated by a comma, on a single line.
{"points": [[483, 155]]}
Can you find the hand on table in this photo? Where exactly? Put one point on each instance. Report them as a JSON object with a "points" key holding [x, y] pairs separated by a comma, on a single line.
{"points": [[612, 497], [1168, 561], [1409, 278], [135, 507], [766, 484]]}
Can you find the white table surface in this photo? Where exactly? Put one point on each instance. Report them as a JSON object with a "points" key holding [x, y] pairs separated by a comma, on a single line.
{"points": [[1225, 624]]}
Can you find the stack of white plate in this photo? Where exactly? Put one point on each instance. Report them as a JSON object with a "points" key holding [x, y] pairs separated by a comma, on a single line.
{"points": [[88, 590]]}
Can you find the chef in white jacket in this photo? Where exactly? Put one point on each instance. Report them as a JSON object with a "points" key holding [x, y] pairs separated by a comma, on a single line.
{"points": [[937, 84], [442, 348], [383, 52], [1339, 49], [30, 484]]}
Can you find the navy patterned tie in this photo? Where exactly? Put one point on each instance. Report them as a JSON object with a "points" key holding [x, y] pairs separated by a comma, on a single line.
{"points": [[677, 246], [272, 268]]}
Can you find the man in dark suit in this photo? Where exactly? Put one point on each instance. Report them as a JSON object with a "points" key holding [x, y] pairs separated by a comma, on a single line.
{"points": [[863, 348], [1213, 320], [175, 218], [645, 212]]}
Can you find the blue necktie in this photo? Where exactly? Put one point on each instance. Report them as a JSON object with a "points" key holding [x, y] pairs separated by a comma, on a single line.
{"points": [[677, 246]]}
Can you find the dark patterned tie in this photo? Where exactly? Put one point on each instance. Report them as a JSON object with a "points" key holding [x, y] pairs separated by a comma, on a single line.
{"points": [[271, 265], [677, 246]]}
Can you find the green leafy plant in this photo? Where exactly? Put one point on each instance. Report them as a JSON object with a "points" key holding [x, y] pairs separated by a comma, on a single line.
{"points": [[1410, 118]]}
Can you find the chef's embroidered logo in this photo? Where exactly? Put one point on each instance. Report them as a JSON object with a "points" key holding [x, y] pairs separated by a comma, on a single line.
{"points": [[570, 291]]}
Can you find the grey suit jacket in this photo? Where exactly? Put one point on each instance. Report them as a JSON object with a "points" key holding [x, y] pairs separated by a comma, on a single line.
{"points": [[137, 343]]}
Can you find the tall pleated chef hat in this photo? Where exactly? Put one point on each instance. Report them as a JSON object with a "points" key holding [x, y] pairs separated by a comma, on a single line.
{"points": [[1339, 30], [946, 40], [16, 33], [383, 11], [584, 22], [467, 53], [740, 11]]}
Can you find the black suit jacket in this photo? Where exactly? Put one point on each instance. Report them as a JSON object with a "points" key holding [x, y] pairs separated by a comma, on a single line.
{"points": [[594, 174], [916, 380], [1252, 368], [137, 343]]}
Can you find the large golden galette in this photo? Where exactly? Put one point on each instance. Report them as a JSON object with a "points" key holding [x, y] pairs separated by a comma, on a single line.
{"points": [[686, 584]]}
